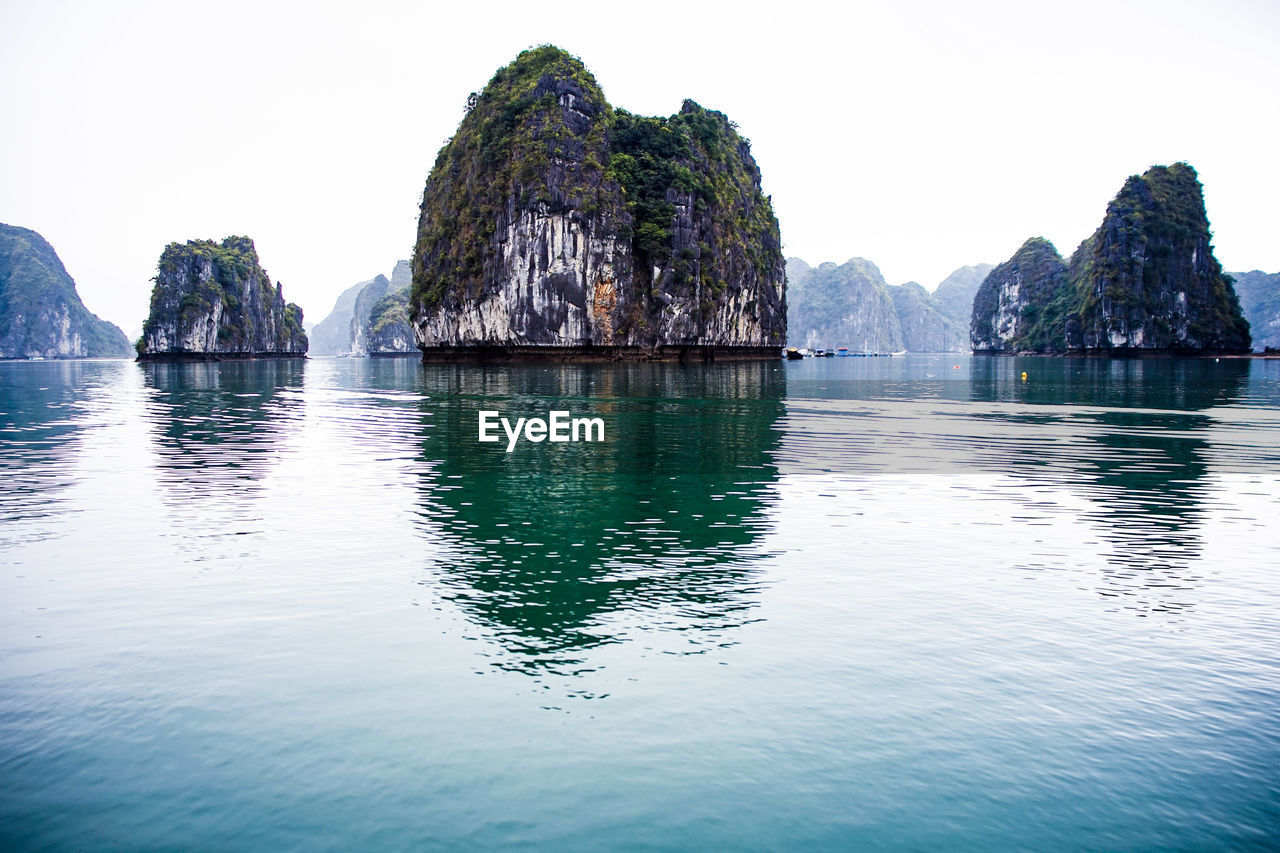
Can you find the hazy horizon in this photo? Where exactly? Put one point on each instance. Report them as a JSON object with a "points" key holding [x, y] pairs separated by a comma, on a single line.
{"points": [[923, 137]]}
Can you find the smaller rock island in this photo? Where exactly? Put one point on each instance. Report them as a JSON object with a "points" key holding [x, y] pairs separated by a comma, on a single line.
{"points": [[213, 301], [1146, 282]]}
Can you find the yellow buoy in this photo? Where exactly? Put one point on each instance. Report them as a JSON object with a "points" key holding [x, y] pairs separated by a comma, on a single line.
{"points": [[1024, 376]]}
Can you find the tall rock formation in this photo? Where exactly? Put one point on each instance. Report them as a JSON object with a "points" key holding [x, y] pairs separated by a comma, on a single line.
{"points": [[925, 327], [214, 300], [402, 276], [847, 305], [554, 224], [373, 316], [796, 270], [386, 329], [41, 315], [955, 293], [1147, 278], [1011, 308], [332, 335], [1146, 281], [369, 295], [1260, 301]]}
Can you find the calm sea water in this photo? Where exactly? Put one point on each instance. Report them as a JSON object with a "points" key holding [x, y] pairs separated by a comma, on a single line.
{"points": [[908, 603]]}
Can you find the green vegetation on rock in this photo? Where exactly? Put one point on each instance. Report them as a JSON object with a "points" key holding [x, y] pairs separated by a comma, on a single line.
{"points": [[696, 153], [390, 310], [41, 315]]}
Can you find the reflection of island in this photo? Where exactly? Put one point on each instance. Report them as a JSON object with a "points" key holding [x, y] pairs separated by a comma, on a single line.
{"points": [[217, 425], [1135, 443], [1181, 384], [553, 548]]}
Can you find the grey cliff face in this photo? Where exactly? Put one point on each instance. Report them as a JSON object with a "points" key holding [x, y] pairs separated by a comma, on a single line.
{"points": [[214, 300], [852, 306], [925, 328], [848, 305], [1259, 294], [954, 295], [41, 315], [332, 335], [380, 322], [369, 294], [554, 275], [43, 331], [401, 276], [373, 316]]}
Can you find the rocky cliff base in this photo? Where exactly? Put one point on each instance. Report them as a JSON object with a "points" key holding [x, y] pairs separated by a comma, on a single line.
{"points": [[512, 354]]}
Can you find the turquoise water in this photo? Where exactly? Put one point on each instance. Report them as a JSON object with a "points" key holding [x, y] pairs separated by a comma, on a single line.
{"points": [[907, 603]]}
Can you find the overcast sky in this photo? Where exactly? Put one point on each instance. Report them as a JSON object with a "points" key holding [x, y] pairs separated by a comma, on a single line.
{"points": [[923, 136]]}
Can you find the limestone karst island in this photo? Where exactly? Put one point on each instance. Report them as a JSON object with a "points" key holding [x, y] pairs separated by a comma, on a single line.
{"points": [[214, 300], [1146, 281], [554, 225]]}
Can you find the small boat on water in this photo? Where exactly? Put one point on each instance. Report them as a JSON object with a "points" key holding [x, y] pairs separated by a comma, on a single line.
{"points": [[793, 354], [843, 352]]}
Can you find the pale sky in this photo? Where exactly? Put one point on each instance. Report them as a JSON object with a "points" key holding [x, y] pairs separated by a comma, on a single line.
{"points": [[923, 136]]}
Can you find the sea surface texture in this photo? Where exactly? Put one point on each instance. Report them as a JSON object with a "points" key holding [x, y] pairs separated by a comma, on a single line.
{"points": [[855, 603]]}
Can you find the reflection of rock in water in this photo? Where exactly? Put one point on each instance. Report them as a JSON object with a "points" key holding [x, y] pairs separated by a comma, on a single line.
{"points": [[1148, 477], [1143, 460], [555, 546], [42, 421], [217, 425], [1183, 384]]}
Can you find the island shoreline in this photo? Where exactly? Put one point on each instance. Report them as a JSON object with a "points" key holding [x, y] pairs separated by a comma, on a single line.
{"points": [[516, 353]]}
